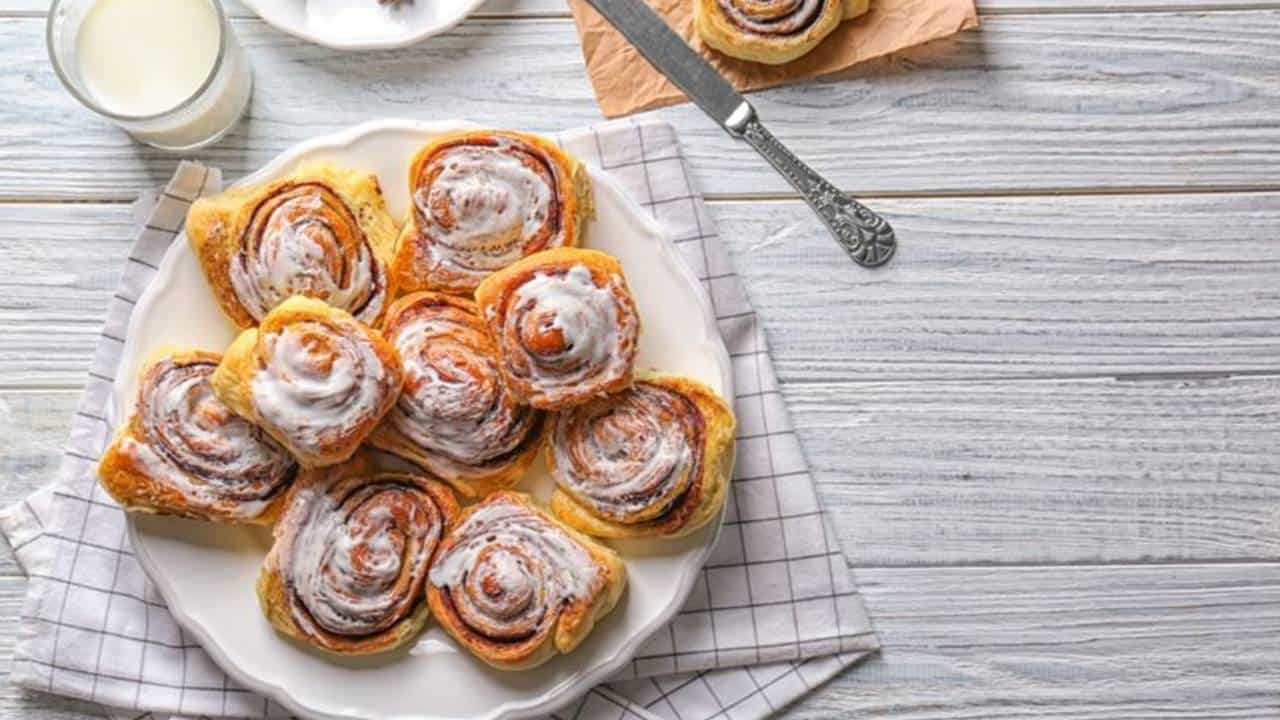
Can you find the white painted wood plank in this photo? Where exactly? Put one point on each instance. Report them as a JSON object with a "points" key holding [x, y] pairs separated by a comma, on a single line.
{"points": [[1070, 471], [982, 288], [1066, 643], [1194, 642], [1059, 101], [1011, 287]]}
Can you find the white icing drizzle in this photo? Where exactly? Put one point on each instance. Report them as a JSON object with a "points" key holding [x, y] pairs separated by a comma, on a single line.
{"points": [[487, 206], [307, 242], [455, 405], [773, 17], [593, 327], [508, 569], [195, 445], [357, 553], [631, 455], [316, 382]]}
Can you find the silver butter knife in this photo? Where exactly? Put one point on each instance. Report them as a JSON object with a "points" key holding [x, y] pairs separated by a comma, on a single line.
{"points": [[865, 236]]}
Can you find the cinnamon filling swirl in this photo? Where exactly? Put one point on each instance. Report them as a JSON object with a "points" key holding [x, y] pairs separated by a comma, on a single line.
{"points": [[455, 406], [632, 457], [357, 554], [564, 329], [507, 574], [316, 381], [304, 240], [773, 17], [191, 441], [484, 201]]}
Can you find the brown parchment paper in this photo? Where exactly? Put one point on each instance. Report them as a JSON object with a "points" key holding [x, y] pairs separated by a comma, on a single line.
{"points": [[626, 83]]}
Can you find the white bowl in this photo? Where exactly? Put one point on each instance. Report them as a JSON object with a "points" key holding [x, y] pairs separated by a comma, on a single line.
{"points": [[206, 572], [363, 24]]}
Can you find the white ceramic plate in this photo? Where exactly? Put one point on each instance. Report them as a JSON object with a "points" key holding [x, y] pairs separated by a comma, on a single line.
{"points": [[206, 572], [363, 24]]}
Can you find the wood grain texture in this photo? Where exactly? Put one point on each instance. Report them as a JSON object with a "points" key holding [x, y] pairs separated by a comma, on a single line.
{"points": [[1066, 471], [1194, 642], [948, 473], [983, 288], [1057, 101], [1066, 643], [1019, 287]]}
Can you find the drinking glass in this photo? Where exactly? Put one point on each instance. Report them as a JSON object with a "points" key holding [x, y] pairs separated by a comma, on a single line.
{"points": [[199, 120]]}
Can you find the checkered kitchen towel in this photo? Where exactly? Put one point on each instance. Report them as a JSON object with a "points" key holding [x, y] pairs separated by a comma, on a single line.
{"points": [[774, 613]]}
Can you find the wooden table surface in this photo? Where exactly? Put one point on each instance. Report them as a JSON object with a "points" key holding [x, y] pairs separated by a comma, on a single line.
{"points": [[1048, 432]]}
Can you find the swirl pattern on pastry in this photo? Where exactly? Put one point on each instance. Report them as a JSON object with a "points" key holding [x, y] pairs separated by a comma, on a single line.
{"points": [[313, 377], [455, 416], [322, 231], [773, 17], [770, 31], [629, 456], [184, 452], [302, 239], [483, 200], [316, 380], [652, 460], [566, 325], [514, 587], [351, 557]]}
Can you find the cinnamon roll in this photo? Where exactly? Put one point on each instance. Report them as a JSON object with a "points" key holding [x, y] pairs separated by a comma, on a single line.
{"points": [[566, 326], [323, 232], [651, 461], [313, 378], [351, 555], [183, 452], [483, 199], [515, 587], [455, 416], [770, 31]]}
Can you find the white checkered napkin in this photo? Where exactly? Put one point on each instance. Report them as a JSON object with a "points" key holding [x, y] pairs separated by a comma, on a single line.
{"points": [[774, 613]]}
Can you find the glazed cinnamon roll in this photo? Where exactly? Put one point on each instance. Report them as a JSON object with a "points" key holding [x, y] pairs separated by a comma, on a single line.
{"points": [[651, 461], [183, 452], [323, 232], [351, 555], [515, 587], [483, 199], [566, 326], [455, 416], [313, 378], [770, 31]]}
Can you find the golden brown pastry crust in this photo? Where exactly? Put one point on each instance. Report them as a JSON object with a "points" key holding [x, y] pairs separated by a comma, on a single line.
{"points": [[533, 633], [183, 452], [855, 8], [245, 234], [549, 313], [668, 497], [334, 507], [771, 31], [437, 249], [307, 339], [455, 416]]}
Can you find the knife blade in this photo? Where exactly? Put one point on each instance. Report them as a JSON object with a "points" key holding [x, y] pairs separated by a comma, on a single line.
{"points": [[673, 57], [866, 237]]}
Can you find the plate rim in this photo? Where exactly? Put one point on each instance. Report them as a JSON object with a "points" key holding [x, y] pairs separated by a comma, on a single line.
{"points": [[576, 684], [388, 43]]}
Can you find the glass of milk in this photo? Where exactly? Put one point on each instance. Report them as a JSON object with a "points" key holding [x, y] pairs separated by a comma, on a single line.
{"points": [[170, 72]]}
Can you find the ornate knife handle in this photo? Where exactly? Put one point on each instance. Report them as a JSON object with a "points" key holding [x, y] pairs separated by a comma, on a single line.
{"points": [[865, 236]]}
